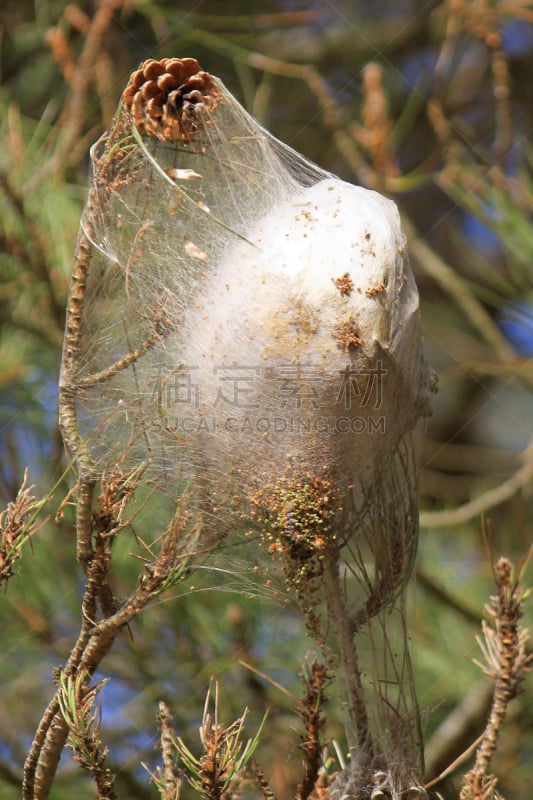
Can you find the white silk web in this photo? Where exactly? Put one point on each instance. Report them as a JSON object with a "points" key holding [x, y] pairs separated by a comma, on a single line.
{"points": [[244, 327]]}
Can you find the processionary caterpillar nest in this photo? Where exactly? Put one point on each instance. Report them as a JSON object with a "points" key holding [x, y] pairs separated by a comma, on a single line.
{"points": [[244, 326]]}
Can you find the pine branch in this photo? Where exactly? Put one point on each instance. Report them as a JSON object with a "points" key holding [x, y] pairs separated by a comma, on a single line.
{"points": [[16, 529], [76, 700]]}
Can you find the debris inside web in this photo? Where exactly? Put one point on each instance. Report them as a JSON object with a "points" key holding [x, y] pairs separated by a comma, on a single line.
{"points": [[244, 327]]}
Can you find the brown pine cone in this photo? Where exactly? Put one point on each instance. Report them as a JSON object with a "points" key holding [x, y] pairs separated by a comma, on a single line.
{"points": [[171, 99]]}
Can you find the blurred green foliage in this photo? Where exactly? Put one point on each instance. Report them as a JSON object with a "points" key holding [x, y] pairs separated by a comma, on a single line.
{"points": [[457, 159]]}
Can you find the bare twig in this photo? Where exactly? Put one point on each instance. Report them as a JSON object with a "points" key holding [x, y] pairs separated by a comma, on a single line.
{"points": [[457, 729], [72, 438], [480, 505], [360, 737], [160, 330], [310, 708], [170, 781], [456, 763], [445, 597], [261, 781]]}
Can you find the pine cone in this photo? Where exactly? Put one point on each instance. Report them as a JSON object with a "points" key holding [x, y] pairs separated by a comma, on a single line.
{"points": [[171, 99]]}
